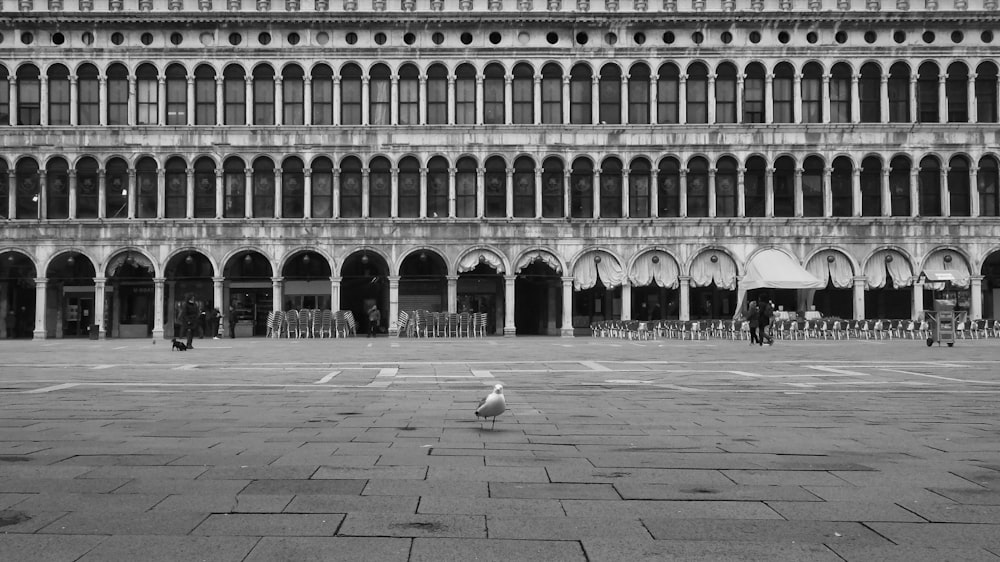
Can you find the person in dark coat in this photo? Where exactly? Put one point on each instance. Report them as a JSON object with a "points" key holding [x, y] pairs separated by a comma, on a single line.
{"points": [[766, 313], [212, 317], [190, 315], [753, 318], [234, 316]]}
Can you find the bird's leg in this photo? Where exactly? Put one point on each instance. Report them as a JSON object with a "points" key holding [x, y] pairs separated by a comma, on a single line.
{"points": [[494, 423]]}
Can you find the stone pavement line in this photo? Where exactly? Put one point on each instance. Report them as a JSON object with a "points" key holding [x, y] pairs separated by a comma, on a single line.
{"points": [[51, 388], [327, 378], [384, 377]]}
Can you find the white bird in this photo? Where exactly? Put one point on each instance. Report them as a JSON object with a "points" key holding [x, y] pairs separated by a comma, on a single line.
{"points": [[493, 405]]}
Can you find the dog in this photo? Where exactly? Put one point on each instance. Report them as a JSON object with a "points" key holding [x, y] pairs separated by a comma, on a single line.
{"points": [[178, 345]]}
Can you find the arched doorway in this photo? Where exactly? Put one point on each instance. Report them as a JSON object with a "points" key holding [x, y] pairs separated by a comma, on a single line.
{"points": [[837, 299], [889, 275], [423, 283], [306, 277], [991, 286], [713, 286], [17, 295], [129, 296], [364, 281], [188, 274], [481, 287], [70, 297], [538, 295], [655, 279], [597, 288], [250, 292], [958, 289]]}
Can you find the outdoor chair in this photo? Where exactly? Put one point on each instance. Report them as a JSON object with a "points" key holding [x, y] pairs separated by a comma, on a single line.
{"points": [[402, 324], [269, 333], [305, 324], [480, 322], [464, 324]]}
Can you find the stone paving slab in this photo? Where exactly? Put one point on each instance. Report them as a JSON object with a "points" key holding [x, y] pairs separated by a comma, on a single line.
{"points": [[496, 550], [489, 473], [330, 503], [413, 525], [726, 492], [763, 530], [604, 550], [336, 487], [854, 553], [427, 488], [594, 491], [270, 524], [941, 534], [634, 509], [491, 506], [565, 528], [844, 511], [90, 502], [126, 523], [49, 548], [335, 549], [151, 548], [224, 503]]}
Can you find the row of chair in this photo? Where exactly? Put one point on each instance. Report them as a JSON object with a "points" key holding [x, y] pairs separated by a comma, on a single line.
{"points": [[826, 328], [428, 324], [314, 323]]}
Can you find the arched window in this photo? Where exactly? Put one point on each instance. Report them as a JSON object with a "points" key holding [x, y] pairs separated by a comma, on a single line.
{"points": [[725, 93], [496, 187], [204, 95], [898, 87], [812, 93], [697, 187], [322, 95], [204, 188], [58, 95], [812, 187], [465, 188], [986, 93], [293, 95], [321, 202], [667, 94], [581, 201], [784, 100], [840, 93], [929, 185], [697, 93], [580, 94], [609, 88], [27, 195], [147, 95], [176, 188], [841, 190], [29, 96], [234, 183], [957, 92], [927, 93], [116, 194], [263, 95], [350, 95], [87, 180], [4, 116], [784, 187], [409, 187], [899, 186], [552, 81], [524, 187], [176, 95], [235, 95], [639, 182], [409, 95], [958, 187], [638, 94], [987, 181], [493, 94], [292, 188], [754, 186], [553, 187], [611, 188], [380, 188], [437, 95], [669, 190], [523, 92], [437, 187], [465, 95], [754, 90], [57, 189], [350, 187], [146, 175], [725, 187], [871, 187], [870, 93], [263, 188]]}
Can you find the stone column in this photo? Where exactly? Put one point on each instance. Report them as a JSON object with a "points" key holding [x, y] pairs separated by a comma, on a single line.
{"points": [[307, 103], [624, 99], [510, 193], [393, 298], [451, 191], [336, 193], [826, 99], [741, 192], [102, 191], [596, 193], [161, 101], [976, 294], [43, 195], [856, 192], [74, 116], [626, 301], [190, 100], [277, 284], [479, 99], [626, 196], [886, 193], [859, 297], [797, 99], [130, 190], [712, 116], [509, 308], [538, 192], [452, 293], [682, 99], [884, 98], [683, 188], [712, 203], [567, 192], [394, 192], [278, 191], [827, 191], [219, 196], [12, 105], [654, 193], [99, 295], [915, 191], [44, 101], [451, 101], [307, 193], [158, 308], [565, 100], [394, 100], [595, 99], [248, 114], [567, 308], [654, 101], [536, 105], [336, 100], [41, 305], [220, 106], [769, 192], [335, 292], [72, 193], [974, 209], [218, 301], [855, 99], [480, 192], [11, 192], [279, 101], [918, 301], [508, 102], [913, 98], [945, 193], [161, 192], [943, 116], [970, 99], [422, 102], [422, 212], [684, 312], [769, 98], [797, 193], [247, 192]]}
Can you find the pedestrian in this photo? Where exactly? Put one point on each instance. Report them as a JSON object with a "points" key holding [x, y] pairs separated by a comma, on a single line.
{"points": [[766, 313], [753, 318], [234, 313], [212, 316], [374, 319], [191, 314]]}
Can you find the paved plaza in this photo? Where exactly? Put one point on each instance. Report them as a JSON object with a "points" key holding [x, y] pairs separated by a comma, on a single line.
{"points": [[361, 449]]}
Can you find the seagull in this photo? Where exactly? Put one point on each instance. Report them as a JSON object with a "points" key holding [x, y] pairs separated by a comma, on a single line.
{"points": [[493, 405]]}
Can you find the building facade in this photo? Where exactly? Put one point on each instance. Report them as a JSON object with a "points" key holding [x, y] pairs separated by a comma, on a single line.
{"points": [[549, 162]]}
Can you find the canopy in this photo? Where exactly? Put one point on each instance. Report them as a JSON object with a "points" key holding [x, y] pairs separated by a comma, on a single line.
{"points": [[938, 279], [773, 269]]}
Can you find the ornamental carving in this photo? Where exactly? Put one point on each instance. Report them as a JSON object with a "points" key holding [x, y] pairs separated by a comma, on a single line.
{"points": [[554, 5], [408, 5], [525, 5], [145, 5], [990, 4], [757, 5], [55, 5], [494, 5], [873, 5], [86, 5], [465, 5], [641, 5], [785, 5], [815, 5], [728, 6], [205, 5], [263, 5], [962, 5], [583, 5], [293, 5], [903, 5], [350, 5], [26, 5], [437, 5], [322, 5], [698, 5], [931, 5], [611, 5], [115, 5], [844, 5], [235, 5], [175, 5], [378, 5]]}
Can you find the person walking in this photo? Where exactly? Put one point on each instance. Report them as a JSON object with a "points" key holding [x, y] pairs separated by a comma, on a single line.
{"points": [[190, 315], [213, 322], [374, 319], [753, 318], [766, 314], [234, 314]]}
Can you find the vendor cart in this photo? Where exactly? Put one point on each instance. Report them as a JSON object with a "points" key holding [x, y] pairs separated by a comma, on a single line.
{"points": [[941, 320]]}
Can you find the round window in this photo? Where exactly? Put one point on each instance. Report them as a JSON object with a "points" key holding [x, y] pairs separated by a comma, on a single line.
{"points": [[841, 37], [117, 38], [176, 38], [294, 38], [27, 38], [698, 37], [552, 37], [409, 38], [58, 38], [146, 38], [784, 37], [899, 36], [264, 38], [812, 37], [755, 37], [726, 37], [437, 38], [870, 37], [235, 39], [87, 38], [582, 38], [380, 38], [322, 38], [957, 37], [986, 36], [668, 37], [466, 38], [928, 37], [351, 38], [639, 38]]}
